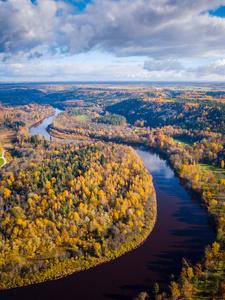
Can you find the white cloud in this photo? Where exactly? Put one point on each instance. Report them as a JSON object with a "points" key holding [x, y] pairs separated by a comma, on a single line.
{"points": [[214, 68], [166, 31], [163, 65], [158, 29]]}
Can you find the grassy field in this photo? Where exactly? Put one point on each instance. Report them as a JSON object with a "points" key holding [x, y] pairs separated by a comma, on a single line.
{"points": [[212, 168], [6, 139], [83, 117], [1, 161]]}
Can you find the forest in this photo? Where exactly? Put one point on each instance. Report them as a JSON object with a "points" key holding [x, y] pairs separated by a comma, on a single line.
{"points": [[184, 124], [70, 206]]}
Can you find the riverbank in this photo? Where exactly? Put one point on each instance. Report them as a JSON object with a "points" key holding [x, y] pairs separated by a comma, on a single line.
{"points": [[41, 121], [211, 204]]}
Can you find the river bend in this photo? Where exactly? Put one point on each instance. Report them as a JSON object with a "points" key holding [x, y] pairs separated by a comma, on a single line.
{"points": [[182, 230]]}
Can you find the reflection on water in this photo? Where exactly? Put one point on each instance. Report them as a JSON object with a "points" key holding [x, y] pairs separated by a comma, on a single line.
{"points": [[41, 129], [155, 166], [181, 230]]}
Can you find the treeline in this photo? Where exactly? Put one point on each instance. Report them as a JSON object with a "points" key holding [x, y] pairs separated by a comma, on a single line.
{"points": [[200, 116], [111, 119], [14, 124], [72, 111], [68, 206]]}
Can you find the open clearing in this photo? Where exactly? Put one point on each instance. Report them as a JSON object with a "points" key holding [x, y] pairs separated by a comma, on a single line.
{"points": [[184, 142], [83, 117]]}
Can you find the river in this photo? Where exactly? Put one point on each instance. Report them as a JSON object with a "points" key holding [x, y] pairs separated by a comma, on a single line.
{"points": [[182, 230], [41, 127]]}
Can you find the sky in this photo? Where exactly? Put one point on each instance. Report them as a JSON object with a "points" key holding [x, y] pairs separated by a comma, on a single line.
{"points": [[112, 40]]}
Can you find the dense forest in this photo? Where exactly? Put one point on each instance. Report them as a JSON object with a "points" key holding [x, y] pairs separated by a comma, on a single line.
{"points": [[111, 119], [64, 207], [201, 116]]}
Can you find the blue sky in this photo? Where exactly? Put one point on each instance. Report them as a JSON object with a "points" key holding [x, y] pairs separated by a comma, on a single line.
{"points": [[219, 12], [80, 5], [113, 40]]}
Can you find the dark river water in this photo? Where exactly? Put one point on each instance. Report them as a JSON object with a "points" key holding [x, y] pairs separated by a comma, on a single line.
{"points": [[182, 230]]}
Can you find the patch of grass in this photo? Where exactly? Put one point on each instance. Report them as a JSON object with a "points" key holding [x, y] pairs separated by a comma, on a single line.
{"points": [[1, 161], [83, 117], [184, 142], [208, 167]]}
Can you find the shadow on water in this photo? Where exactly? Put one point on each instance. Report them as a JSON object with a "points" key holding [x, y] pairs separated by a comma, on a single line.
{"points": [[120, 297]]}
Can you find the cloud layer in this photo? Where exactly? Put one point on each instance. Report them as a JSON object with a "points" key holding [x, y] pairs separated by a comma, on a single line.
{"points": [[165, 31], [154, 28]]}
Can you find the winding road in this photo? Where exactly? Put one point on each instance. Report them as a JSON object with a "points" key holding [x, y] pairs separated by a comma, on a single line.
{"points": [[5, 161]]}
